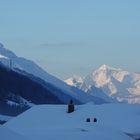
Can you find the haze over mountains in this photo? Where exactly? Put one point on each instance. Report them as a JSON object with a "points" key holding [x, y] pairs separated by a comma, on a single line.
{"points": [[9, 59], [24, 84], [106, 84], [118, 84]]}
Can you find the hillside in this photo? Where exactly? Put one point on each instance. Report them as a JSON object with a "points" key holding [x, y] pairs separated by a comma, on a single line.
{"points": [[19, 92], [12, 61]]}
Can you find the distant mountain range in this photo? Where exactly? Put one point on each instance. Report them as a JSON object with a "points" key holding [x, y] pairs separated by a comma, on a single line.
{"points": [[118, 84], [24, 84], [9, 59]]}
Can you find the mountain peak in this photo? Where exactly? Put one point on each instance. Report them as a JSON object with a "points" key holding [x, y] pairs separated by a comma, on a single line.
{"points": [[105, 67]]}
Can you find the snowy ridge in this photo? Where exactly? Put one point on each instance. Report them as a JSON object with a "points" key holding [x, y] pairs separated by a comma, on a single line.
{"points": [[92, 90], [75, 81], [118, 84]]}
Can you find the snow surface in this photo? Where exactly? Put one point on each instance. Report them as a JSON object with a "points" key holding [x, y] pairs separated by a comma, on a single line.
{"points": [[52, 122], [1, 56], [7, 134], [5, 118]]}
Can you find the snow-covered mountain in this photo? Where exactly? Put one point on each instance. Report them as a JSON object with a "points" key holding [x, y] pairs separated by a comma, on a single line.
{"points": [[77, 81], [116, 83], [9, 59]]}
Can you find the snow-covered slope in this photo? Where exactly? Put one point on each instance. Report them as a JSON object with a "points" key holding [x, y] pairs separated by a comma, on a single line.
{"points": [[4, 119], [12, 61], [52, 122], [7, 134], [18, 92], [116, 83]]}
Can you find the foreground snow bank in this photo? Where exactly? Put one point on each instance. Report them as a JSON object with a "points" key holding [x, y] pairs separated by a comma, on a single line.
{"points": [[7, 134], [114, 122]]}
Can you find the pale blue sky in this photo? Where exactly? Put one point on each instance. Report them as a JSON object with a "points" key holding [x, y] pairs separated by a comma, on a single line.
{"points": [[69, 37]]}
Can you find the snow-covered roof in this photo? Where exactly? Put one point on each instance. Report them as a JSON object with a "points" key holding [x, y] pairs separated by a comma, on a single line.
{"points": [[52, 122]]}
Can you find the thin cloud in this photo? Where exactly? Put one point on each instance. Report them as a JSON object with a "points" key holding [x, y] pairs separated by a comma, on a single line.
{"points": [[62, 44]]}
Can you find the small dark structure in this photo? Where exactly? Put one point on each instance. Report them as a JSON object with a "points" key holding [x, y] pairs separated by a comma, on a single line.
{"points": [[88, 120], [71, 107], [94, 120]]}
